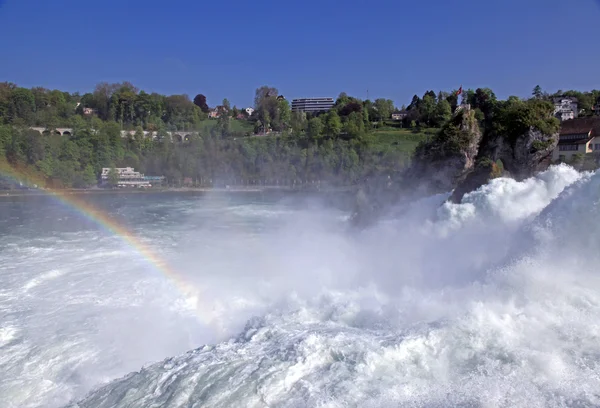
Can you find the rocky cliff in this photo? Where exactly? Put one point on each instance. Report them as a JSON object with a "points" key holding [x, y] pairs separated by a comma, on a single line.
{"points": [[438, 165], [518, 144], [443, 162], [517, 140]]}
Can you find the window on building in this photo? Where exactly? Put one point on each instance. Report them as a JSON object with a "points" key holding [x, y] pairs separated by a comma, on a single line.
{"points": [[568, 148]]}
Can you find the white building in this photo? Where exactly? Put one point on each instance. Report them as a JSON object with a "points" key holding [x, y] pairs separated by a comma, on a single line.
{"points": [[312, 105], [565, 108], [128, 177], [399, 115]]}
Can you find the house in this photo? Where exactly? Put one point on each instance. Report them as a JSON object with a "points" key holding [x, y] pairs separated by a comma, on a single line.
{"points": [[249, 111], [240, 116], [399, 115], [88, 111], [578, 136], [217, 112], [565, 108]]}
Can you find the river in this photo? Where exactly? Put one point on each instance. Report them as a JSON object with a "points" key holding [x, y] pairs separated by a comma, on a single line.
{"points": [[271, 300]]}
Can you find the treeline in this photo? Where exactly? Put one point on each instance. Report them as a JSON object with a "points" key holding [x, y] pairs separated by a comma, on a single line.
{"points": [[77, 160], [122, 103], [339, 146], [335, 147]]}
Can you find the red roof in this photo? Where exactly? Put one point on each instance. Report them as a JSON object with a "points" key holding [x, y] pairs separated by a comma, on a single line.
{"points": [[581, 126]]}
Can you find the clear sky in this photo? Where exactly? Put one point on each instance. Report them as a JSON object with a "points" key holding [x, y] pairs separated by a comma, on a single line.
{"points": [[228, 48]]}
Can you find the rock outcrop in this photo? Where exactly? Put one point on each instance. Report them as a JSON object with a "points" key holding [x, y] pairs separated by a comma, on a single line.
{"points": [[438, 166], [443, 162], [518, 142]]}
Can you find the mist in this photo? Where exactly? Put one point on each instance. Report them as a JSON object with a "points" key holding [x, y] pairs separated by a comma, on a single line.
{"points": [[489, 302]]}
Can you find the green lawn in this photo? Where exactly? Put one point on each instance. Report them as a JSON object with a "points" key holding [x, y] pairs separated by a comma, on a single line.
{"points": [[404, 140]]}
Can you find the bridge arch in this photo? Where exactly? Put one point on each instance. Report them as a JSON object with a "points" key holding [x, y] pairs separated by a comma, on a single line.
{"points": [[45, 132], [57, 132], [66, 133], [178, 137]]}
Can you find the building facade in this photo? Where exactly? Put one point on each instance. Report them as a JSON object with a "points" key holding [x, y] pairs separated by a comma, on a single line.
{"points": [[578, 136], [127, 177], [399, 115], [312, 104], [565, 108]]}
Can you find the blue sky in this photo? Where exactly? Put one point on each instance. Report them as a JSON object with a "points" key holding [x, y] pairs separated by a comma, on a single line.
{"points": [[304, 48]]}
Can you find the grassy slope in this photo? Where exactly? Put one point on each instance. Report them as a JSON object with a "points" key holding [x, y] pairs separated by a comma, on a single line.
{"points": [[403, 140]]}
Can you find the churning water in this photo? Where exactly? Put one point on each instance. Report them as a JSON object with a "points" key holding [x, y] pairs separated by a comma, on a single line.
{"points": [[494, 302]]}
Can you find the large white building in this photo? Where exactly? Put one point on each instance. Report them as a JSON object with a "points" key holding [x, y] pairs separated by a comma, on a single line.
{"points": [[312, 104], [565, 108], [128, 177]]}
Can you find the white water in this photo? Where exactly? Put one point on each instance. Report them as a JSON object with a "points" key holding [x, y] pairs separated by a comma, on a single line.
{"points": [[494, 303]]}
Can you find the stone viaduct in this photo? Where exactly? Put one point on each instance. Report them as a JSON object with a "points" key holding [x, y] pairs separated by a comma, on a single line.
{"points": [[177, 136]]}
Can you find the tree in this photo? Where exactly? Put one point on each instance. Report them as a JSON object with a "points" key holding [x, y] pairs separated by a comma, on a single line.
{"points": [[452, 99], [333, 125], [226, 105], [265, 104], [89, 177], [354, 124], [113, 177], [537, 92], [384, 107], [427, 109], [414, 103], [284, 114], [443, 113], [22, 105], [315, 128], [298, 121], [200, 101]]}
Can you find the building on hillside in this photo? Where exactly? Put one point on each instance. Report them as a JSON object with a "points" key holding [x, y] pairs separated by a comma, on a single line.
{"points": [[577, 136], [566, 108], [312, 104], [249, 111], [399, 115], [88, 111], [127, 177], [217, 112]]}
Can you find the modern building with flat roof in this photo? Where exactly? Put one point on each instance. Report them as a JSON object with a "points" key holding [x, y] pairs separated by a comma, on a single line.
{"points": [[312, 104]]}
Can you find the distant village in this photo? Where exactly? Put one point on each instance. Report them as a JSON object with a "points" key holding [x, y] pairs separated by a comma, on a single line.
{"points": [[579, 136]]}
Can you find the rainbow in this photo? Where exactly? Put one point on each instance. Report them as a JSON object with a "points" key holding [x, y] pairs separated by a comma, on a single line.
{"points": [[100, 218]]}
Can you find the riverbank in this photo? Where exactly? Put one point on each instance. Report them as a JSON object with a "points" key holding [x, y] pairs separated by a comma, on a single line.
{"points": [[231, 189]]}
